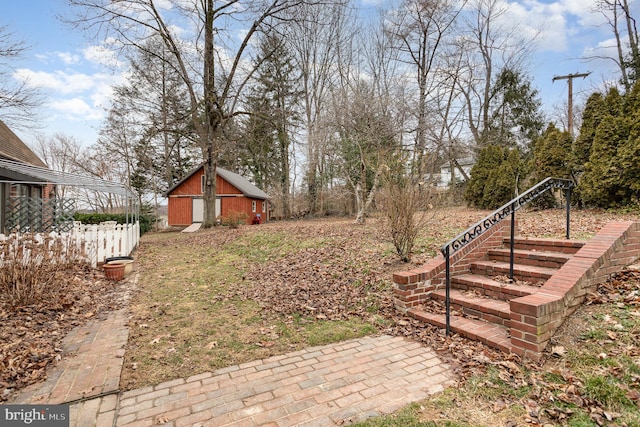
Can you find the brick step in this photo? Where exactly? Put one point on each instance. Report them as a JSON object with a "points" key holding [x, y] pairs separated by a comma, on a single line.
{"points": [[482, 307], [549, 245], [493, 335], [527, 273], [530, 257], [491, 288]]}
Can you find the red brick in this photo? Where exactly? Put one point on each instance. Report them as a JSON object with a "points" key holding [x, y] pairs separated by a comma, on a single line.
{"points": [[401, 294], [525, 345]]}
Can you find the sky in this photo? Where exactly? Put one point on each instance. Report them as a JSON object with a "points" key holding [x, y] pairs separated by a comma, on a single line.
{"points": [[76, 77]]}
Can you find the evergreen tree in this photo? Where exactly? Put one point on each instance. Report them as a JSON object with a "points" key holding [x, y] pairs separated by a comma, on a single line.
{"points": [[272, 105], [494, 177], [629, 151], [515, 119], [612, 175], [601, 180], [591, 118], [551, 158], [502, 181], [552, 154]]}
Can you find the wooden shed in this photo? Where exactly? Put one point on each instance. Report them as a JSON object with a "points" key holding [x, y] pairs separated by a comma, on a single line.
{"points": [[234, 193]]}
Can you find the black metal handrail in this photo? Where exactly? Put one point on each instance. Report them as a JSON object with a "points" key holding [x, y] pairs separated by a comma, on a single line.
{"points": [[508, 209]]}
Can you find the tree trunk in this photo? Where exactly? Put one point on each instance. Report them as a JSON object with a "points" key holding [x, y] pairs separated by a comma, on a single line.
{"points": [[212, 115], [361, 217], [210, 170]]}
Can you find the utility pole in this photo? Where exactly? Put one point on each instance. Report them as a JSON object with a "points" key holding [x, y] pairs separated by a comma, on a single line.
{"points": [[570, 78]]}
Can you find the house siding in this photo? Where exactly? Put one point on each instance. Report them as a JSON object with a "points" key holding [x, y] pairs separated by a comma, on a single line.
{"points": [[223, 187], [180, 211], [191, 187], [241, 204]]}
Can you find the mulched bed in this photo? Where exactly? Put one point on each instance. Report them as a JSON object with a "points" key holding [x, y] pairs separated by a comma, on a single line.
{"points": [[31, 336]]}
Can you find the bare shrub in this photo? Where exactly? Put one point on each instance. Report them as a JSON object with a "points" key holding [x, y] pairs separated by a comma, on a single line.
{"points": [[234, 219], [32, 269], [408, 208]]}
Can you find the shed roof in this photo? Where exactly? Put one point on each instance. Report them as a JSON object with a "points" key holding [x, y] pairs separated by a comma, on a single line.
{"points": [[12, 148], [238, 181], [21, 172]]}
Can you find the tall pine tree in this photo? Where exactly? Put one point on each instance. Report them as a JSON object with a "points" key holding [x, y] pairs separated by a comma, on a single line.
{"points": [[605, 182], [267, 136]]}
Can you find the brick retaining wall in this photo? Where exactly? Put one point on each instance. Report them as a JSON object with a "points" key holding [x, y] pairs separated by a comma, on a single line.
{"points": [[535, 318]]}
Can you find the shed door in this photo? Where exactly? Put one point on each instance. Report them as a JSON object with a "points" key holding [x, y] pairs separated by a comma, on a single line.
{"points": [[198, 210]]}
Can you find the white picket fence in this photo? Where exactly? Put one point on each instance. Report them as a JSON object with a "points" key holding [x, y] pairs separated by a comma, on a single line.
{"points": [[99, 242], [107, 240]]}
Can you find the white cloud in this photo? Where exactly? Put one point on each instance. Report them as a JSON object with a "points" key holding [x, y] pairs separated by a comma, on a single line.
{"points": [[177, 31], [165, 4], [68, 58], [98, 88], [533, 21], [561, 23], [58, 81], [101, 97], [101, 55], [371, 2], [604, 49], [76, 109]]}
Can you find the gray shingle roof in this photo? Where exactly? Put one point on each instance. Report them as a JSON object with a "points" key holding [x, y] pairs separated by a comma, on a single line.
{"points": [[242, 184], [238, 181], [12, 148]]}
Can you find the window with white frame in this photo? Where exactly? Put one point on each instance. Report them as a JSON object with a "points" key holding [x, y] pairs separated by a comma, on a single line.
{"points": [[202, 184], [264, 207], [253, 206]]}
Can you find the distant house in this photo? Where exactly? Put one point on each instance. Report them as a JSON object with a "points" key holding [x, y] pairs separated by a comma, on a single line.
{"points": [[17, 185], [233, 193], [444, 180]]}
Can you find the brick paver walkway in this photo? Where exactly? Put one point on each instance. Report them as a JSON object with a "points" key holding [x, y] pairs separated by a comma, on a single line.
{"points": [[321, 386], [91, 366]]}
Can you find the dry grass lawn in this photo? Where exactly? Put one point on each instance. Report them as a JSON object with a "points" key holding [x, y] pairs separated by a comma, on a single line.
{"points": [[220, 297]]}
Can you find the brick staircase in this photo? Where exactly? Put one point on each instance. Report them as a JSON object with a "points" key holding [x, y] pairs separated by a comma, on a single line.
{"points": [[551, 279], [482, 296]]}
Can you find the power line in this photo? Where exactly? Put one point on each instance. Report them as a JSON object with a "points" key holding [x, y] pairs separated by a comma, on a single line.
{"points": [[570, 78]]}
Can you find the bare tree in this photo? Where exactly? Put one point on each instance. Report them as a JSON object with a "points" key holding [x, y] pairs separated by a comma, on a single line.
{"points": [[365, 139], [146, 125], [490, 44], [447, 123], [618, 16], [61, 153], [99, 162], [418, 28], [316, 35], [18, 100], [366, 116], [209, 59]]}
